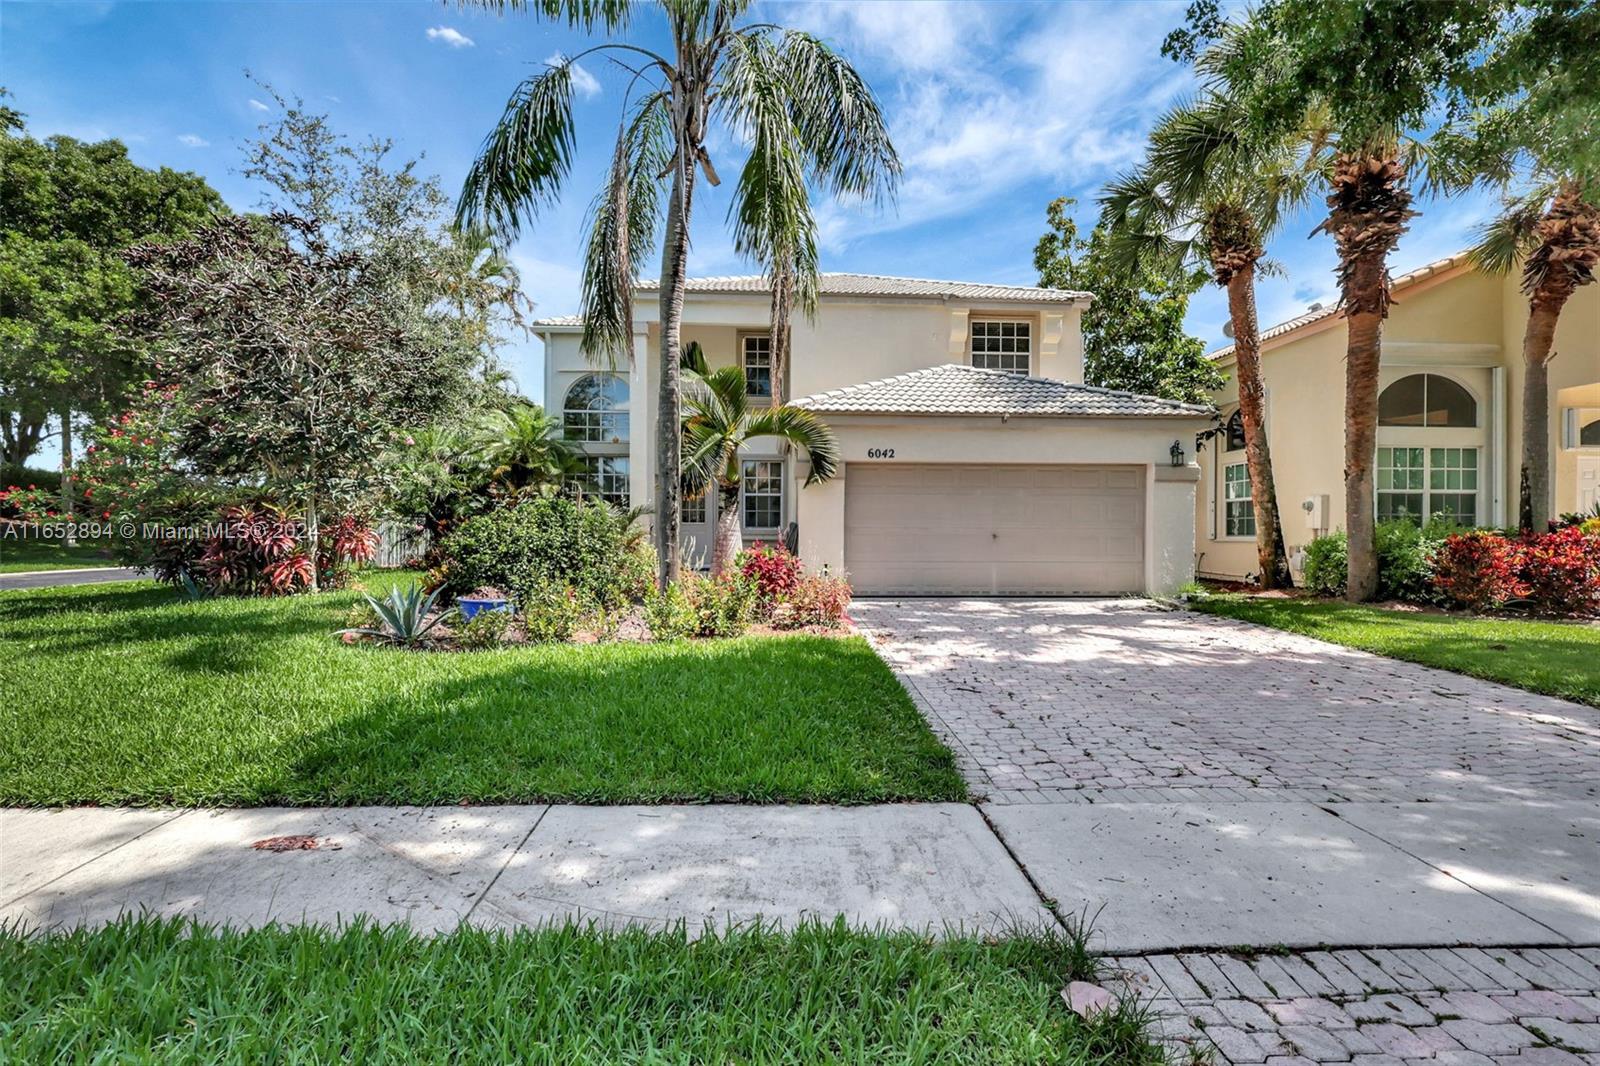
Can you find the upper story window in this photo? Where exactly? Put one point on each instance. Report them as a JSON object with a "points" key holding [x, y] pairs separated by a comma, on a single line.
{"points": [[756, 356], [596, 409], [1002, 344], [1431, 400], [762, 496], [1235, 432]]}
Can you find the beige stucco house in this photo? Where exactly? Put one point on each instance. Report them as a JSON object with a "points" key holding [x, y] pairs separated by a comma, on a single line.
{"points": [[1450, 403], [974, 459]]}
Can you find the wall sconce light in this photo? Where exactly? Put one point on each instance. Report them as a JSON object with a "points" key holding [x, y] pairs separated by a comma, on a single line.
{"points": [[1176, 451]]}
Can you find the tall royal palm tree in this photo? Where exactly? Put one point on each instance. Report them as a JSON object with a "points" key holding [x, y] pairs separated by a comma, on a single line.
{"points": [[719, 422], [1208, 195], [808, 118]]}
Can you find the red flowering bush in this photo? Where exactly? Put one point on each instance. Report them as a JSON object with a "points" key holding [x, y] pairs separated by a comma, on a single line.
{"points": [[1561, 571], [28, 503], [772, 569], [815, 600], [259, 549], [1479, 570]]}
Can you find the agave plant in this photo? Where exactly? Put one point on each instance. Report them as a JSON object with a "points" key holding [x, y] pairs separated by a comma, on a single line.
{"points": [[403, 616]]}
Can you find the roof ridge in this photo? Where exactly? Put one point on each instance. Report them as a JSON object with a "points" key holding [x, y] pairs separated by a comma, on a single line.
{"points": [[1040, 389]]}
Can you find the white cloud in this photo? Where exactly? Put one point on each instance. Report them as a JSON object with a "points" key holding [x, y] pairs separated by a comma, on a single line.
{"points": [[257, 105], [584, 82], [193, 140], [450, 36]]}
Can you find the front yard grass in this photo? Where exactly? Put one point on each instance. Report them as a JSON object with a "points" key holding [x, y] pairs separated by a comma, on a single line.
{"points": [[1555, 658], [126, 694], [145, 989], [18, 555]]}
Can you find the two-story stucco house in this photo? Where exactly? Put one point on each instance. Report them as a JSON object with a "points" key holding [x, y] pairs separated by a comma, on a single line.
{"points": [[1449, 415], [974, 460]]}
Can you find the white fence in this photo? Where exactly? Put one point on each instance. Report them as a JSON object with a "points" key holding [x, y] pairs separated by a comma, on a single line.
{"points": [[398, 543]]}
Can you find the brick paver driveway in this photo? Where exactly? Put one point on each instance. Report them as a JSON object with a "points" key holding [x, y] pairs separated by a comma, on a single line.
{"points": [[1126, 700]]}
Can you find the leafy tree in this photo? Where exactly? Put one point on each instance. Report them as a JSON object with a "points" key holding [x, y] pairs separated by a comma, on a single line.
{"points": [[1370, 74], [718, 424], [1133, 335], [806, 114], [1208, 196], [1538, 140], [70, 209]]}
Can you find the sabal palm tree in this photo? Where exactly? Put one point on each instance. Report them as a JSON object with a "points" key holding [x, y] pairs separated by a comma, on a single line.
{"points": [[807, 115], [1208, 196], [719, 421]]}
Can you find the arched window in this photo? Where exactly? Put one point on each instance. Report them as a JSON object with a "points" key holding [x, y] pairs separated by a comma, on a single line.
{"points": [[1431, 400], [596, 409], [1236, 432], [1589, 436]]}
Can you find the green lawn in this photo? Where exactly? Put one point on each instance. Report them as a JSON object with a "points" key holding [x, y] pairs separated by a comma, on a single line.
{"points": [[18, 555], [1556, 658], [150, 990], [126, 693]]}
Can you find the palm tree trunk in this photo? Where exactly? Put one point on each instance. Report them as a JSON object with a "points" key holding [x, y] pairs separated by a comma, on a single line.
{"points": [[782, 307], [68, 501], [726, 542], [1362, 355], [669, 417], [1537, 339], [1270, 554]]}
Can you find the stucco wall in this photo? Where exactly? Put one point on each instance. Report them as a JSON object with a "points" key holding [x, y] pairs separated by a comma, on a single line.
{"points": [[1464, 324], [1169, 546]]}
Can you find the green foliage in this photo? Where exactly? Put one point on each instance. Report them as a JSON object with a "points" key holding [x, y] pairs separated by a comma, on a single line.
{"points": [[723, 606], [580, 993], [548, 611], [403, 616], [484, 630], [1133, 335], [70, 209], [1328, 564], [670, 614], [249, 702], [532, 542]]}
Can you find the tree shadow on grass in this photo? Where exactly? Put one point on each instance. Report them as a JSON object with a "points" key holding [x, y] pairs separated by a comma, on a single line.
{"points": [[772, 721]]}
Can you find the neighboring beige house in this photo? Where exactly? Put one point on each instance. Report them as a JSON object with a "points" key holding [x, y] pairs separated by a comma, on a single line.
{"points": [[1450, 415], [974, 459]]}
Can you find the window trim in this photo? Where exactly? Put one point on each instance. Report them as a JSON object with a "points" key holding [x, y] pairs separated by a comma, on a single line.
{"points": [[1021, 320], [745, 477], [1223, 501], [743, 337], [622, 441], [1472, 394], [593, 461], [1427, 491]]}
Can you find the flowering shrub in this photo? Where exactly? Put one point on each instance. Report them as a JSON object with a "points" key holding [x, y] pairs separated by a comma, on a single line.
{"points": [[723, 606], [815, 600], [774, 570], [29, 503], [1561, 571], [1479, 570], [255, 549]]}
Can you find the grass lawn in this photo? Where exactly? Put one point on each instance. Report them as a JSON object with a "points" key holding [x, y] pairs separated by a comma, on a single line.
{"points": [[18, 555], [127, 694], [1556, 658], [145, 990]]}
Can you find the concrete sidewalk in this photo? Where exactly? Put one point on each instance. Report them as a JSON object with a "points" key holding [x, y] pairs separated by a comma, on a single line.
{"points": [[1155, 876]]}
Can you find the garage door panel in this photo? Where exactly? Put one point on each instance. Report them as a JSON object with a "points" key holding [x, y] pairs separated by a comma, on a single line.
{"points": [[973, 528]]}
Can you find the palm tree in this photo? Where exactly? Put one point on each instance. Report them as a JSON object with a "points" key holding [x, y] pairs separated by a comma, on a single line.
{"points": [[805, 112], [719, 423], [523, 449], [1207, 196]]}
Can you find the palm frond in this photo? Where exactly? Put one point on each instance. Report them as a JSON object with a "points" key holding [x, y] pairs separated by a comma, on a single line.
{"points": [[523, 161], [1504, 240], [587, 15], [839, 125], [804, 429]]}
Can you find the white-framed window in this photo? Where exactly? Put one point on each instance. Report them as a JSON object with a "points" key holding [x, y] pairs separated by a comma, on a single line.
{"points": [[756, 357], [596, 410], [1427, 400], [1238, 508], [1418, 483], [1001, 344], [608, 477], [761, 496], [692, 510]]}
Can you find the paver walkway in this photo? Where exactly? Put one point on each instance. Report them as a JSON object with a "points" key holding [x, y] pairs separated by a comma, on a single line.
{"points": [[1529, 1007], [1128, 701]]}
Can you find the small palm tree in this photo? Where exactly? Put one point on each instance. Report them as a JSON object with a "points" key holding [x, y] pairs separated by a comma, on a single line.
{"points": [[806, 114], [718, 423], [1208, 196], [524, 450]]}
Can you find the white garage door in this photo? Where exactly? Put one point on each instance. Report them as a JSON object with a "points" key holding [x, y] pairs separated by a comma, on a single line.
{"points": [[1060, 530]]}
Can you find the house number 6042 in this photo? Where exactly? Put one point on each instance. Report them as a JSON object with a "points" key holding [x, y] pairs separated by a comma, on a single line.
{"points": [[880, 453]]}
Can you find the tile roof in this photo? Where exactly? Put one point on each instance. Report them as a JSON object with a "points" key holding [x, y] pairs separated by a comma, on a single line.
{"points": [[834, 284], [560, 320], [953, 389], [1405, 280]]}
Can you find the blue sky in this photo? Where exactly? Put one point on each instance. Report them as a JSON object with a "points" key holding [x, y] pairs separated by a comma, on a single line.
{"points": [[995, 108]]}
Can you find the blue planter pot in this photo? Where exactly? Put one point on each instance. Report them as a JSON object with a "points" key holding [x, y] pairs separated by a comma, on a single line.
{"points": [[470, 607]]}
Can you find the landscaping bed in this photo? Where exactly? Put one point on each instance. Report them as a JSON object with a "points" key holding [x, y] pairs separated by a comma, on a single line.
{"points": [[130, 694], [144, 989], [1552, 657]]}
